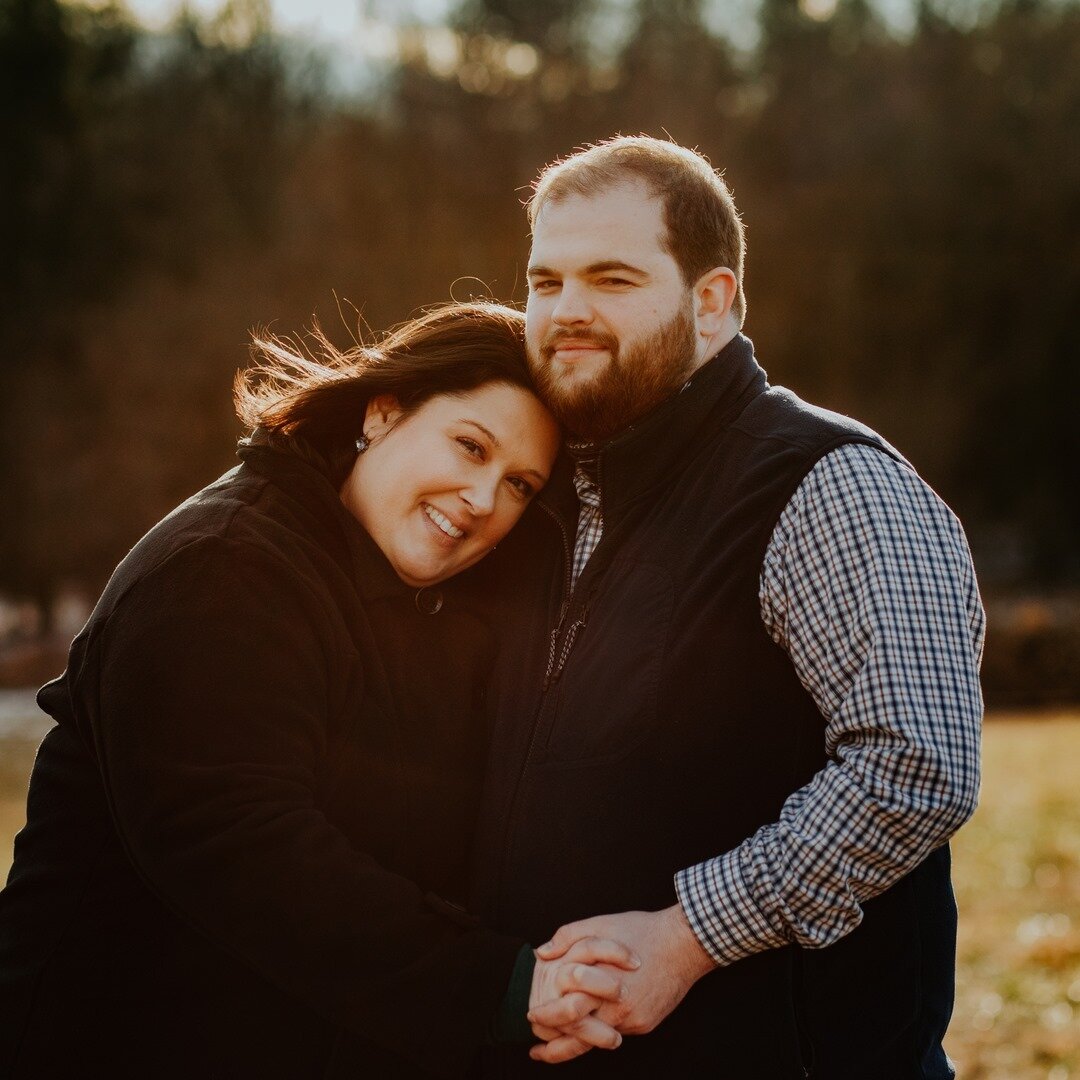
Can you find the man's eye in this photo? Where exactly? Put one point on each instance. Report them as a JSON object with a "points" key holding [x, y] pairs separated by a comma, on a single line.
{"points": [[615, 281], [544, 285]]}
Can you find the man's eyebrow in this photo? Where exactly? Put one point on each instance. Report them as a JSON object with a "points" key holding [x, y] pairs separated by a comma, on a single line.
{"points": [[614, 264], [593, 268]]}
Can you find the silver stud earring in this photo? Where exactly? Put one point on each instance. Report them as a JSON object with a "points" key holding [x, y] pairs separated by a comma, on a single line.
{"points": [[362, 444]]}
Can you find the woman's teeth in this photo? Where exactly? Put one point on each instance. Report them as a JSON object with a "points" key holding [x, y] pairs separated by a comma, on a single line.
{"points": [[443, 522]]}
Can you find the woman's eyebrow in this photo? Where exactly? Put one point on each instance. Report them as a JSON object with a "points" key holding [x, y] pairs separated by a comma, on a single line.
{"points": [[479, 427], [495, 442]]}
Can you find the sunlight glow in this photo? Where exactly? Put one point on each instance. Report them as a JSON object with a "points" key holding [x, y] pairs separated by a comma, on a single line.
{"points": [[818, 9]]}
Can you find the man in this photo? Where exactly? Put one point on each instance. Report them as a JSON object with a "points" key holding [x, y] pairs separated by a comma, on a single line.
{"points": [[739, 703]]}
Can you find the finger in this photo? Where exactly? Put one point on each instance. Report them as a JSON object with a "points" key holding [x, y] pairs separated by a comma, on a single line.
{"points": [[546, 1033], [563, 938], [598, 950], [564, 1048], [563, 1011], [590, 980], [596, 1033]]}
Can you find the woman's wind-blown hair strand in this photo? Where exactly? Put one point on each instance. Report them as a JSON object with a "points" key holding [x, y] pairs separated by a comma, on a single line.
{"points": [[319, 393]]}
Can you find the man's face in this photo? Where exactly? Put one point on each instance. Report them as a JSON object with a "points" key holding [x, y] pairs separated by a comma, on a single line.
{"points": [[609, 323]]}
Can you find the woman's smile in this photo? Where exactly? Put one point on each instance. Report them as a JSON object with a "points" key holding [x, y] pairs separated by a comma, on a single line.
{"points": [[440, 486], [444, 525]]}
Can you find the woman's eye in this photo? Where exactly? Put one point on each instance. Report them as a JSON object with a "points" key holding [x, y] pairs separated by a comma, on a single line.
{"points": [[522, 487], [471, 446]]}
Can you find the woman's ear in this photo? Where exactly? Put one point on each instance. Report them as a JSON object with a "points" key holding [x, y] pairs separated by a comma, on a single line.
{"points": [[382, 413]]}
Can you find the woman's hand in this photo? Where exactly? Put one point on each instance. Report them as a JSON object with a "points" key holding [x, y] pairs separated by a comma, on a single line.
{"points": [[569, 988]]}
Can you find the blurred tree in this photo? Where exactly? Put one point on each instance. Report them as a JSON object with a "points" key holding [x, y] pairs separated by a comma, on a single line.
{"points": [[60, 68], [557, 28], [139, 159], [913, 209], [674, 76]]}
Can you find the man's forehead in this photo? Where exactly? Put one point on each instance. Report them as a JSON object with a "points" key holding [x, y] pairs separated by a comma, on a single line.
{"points": [[622, 222], [630, 195]]}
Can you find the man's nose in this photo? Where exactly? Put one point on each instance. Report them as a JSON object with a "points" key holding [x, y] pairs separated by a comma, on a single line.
{"points": [[572, 307]]}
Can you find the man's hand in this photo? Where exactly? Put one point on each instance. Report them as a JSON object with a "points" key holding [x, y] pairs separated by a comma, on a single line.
{"points": [[570, 978], [672, 960]]}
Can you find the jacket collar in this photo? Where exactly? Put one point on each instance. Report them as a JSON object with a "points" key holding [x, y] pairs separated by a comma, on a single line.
{"points": [[654, 449], [298, 473]]}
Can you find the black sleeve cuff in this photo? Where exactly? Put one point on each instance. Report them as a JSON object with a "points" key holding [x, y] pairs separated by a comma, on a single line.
{"points": [[509, 1024]]}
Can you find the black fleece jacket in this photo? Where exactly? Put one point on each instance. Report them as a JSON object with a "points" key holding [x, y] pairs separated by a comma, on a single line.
{"points": [[249, 827]]}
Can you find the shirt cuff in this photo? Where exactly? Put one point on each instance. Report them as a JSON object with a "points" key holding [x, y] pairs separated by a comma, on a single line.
{"points": [[509, 1024], [719, 903]]}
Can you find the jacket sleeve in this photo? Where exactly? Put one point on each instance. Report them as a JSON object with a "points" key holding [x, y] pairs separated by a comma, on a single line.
{"points": [[207, 696]]}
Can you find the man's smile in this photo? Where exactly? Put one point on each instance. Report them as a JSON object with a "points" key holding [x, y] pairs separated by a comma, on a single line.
{"points": [[567, 349]]}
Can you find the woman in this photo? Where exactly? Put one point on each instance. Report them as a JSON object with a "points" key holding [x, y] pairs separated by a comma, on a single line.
{"points": [[247, 835]]}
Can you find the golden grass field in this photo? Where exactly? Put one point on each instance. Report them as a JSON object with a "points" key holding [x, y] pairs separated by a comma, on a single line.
{"points": [[1017, 872]]}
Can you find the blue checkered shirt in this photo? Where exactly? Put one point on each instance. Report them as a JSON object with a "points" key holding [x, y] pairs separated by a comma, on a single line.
{"points": [[868, 586]]}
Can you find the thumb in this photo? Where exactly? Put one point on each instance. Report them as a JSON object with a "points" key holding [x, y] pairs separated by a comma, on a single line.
{"points": [[561, 940]]}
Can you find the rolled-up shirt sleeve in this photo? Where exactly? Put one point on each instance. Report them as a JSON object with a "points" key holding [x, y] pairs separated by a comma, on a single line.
{"points": [[868, 585]]}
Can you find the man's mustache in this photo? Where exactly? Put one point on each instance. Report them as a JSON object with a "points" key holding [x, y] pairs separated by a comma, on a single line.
{"points": [[555, 339]]}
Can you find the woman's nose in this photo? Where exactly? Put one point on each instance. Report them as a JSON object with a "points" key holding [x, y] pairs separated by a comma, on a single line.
{"points": [[479, 495]]}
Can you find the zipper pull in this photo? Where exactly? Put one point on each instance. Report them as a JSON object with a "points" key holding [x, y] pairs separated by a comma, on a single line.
{"points": [[553, 643], [555, 668]]}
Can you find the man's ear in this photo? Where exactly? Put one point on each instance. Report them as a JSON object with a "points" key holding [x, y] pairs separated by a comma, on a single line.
{"points": [[382, 413], [714, 294]]}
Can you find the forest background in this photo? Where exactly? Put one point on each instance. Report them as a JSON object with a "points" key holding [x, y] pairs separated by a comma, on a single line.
{"points": [[911, 190], [912, 198]]}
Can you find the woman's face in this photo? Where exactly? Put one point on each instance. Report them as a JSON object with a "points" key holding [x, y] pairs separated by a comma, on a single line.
{"points": [[439, 488]]}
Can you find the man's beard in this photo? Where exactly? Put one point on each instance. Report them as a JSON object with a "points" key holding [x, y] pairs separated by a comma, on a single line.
{"points": [[626, 388]]}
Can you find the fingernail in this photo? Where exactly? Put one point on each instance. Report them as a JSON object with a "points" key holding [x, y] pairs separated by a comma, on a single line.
{"points": [[531, 1017], [635, 962], [618, 1040]]}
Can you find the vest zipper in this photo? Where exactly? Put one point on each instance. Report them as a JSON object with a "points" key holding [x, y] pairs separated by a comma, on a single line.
{"points": [[568, 555], [557, 657]]}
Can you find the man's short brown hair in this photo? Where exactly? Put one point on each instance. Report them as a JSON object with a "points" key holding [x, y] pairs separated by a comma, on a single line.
{"points": [[703, 227]]}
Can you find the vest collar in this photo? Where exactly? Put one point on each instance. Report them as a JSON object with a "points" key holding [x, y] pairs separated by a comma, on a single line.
{"points": [[652, 450]]}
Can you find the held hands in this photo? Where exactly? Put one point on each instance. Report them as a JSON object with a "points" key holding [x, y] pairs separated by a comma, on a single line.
{"points": [[570, 978], [671, 961]]}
